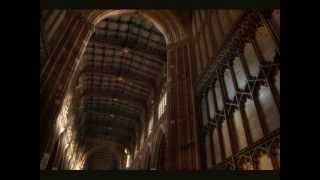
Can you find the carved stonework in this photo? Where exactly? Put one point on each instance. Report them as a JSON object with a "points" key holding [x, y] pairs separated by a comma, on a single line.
{"points": [[232, 46]]}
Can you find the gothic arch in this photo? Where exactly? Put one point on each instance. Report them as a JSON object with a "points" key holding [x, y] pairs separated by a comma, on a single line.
{"points": [[165, 21], [105, 148]]}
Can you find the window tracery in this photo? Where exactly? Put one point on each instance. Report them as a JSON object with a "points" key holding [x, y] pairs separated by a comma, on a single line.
{"points": [[162, 105], [249, 116]]}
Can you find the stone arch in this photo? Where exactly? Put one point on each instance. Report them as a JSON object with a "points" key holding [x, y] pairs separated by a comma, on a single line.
{"points": [[101, 147], [164, 20]]}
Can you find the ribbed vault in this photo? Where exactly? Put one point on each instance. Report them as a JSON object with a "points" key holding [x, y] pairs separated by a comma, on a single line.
{"points": [[120, 64], [120, 72]]}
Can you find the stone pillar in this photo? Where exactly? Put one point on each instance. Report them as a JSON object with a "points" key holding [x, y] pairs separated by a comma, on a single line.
{"points": [[57, 78], [172, 108], [182, 131]]}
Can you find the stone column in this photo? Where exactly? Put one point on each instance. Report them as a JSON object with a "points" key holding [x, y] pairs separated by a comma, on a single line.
{"points": [[182, 131], [58, 78]]}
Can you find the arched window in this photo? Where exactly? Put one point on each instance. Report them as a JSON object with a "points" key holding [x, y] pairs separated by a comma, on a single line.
{"points": [[269, 107], [219, 95], [239, 129], [251, 59], [128, 158], [150, 125], [136, 150], [226, 139], [254, 123], [266, 43], [62, 120], [240, 73], [230, 87], [162, 105]]}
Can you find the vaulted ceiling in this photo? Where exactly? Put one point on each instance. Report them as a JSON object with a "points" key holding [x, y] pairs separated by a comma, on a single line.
{"points": [[121, 70], [120, 75]]}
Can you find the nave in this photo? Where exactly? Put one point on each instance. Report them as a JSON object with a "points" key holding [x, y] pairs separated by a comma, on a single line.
{"points": [[160, 89]]}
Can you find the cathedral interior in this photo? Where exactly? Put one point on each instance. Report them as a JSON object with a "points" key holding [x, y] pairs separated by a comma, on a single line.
{"points": [[160, 89]]}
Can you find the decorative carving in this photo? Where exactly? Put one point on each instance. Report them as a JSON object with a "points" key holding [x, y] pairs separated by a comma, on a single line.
{"points": [[232, 45], [246, 159]]}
